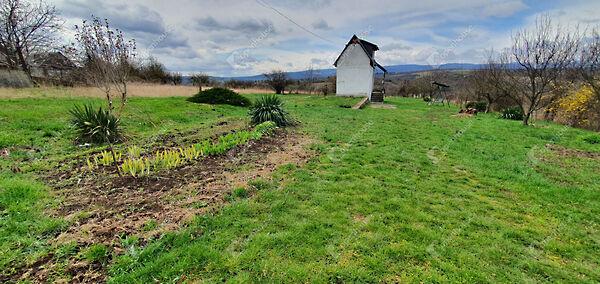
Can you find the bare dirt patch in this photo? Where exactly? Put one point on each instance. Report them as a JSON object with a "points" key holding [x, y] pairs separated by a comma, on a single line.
{"points": [[566, 152], [382, 106], [104, 208]]}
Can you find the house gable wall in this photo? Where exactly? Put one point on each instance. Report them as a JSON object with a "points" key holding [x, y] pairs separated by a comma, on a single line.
{"points": [[354, 73]]}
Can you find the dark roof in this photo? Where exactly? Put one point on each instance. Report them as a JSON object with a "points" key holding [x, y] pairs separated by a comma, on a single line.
{"points": [[369, 49], [53, 60]]}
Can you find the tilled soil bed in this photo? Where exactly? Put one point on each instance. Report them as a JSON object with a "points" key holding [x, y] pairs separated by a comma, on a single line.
{"points": [[103, 208]]}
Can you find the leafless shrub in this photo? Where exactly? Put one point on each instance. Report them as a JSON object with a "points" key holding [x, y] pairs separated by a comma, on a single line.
{"points": [[482, 87], [278, 81], [106, 58], [199, 80]]}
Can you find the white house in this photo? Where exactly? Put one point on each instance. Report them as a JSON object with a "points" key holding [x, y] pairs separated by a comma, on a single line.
{"points": [[356, 70]]}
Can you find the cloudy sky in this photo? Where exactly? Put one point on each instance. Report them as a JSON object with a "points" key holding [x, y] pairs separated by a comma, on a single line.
{"points": [[248, 37]]}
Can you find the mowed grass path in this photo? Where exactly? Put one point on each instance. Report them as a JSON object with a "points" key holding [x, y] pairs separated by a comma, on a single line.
{"points": [[401, 195], [393, 195]]}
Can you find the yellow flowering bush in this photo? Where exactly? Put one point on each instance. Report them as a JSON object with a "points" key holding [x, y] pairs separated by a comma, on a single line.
{"points": [[578, 108]]}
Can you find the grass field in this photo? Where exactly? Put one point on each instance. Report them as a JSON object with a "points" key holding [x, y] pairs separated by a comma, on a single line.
{"points": [[135, 90], [411, 194]]}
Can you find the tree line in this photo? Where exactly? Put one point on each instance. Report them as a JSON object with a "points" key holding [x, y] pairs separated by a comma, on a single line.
{"points": [[545, 67], [540, 67], [30, 32]]}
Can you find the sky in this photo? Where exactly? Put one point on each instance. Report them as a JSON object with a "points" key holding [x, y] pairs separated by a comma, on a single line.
{"points": [[249, 37]]}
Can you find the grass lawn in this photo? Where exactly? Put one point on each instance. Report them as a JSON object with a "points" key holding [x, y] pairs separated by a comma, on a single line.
{"points": [[412, 194]]}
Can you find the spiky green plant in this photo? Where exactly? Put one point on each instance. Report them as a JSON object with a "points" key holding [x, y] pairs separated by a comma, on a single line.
{"points": [[92, 164], [107, 157], [167, 159], [134, 151], [136, 167], [95, 126], [270, 108], [190, 153]]}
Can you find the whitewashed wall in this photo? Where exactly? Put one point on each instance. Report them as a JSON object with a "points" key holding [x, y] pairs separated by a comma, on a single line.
{"points": [[354, 73]]}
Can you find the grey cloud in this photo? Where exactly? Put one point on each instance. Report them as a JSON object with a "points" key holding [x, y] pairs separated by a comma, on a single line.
{"points": [[129, 18], [244, 25], [321, 25], [311, 4], [137, 21], [504, 9], [181, 52], [317, 61], [395, 46]]}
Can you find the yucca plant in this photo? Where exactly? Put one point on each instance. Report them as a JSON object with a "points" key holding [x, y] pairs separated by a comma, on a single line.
{"points": [[97, 126], [270, 108]]}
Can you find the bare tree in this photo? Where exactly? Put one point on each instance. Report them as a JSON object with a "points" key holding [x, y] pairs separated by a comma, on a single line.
{"points": [[152, 70], [589, 62], [278, 81], [329, 86], [26, 29], [200, 80], [542, 56], [311, 78], [176, 78], [106, 57], [483, 86]]}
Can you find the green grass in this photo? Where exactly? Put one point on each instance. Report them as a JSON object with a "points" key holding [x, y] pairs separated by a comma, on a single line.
{"points": [[24, 229], [37, 133], [412, 194]]}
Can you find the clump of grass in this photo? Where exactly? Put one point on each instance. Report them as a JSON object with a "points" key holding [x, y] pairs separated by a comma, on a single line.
{"points": [[136, 167], [97, 253], [240, 193], [167, 159], [592, 139], [260, 184], [270, 108], [150, 225], [66, 250], [105, 158]]}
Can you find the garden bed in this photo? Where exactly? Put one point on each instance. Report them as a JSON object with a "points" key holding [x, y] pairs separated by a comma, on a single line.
{"points": [[104, 208]]}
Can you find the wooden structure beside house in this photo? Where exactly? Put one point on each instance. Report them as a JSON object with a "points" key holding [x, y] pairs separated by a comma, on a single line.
{"points": [[355, 71], [53, 67]]}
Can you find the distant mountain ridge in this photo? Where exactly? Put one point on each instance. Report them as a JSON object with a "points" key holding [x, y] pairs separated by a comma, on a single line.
{"points": [[324, 73]]}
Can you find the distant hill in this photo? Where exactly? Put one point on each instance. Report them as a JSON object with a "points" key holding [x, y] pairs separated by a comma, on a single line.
{"points": [[324, 73]]}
